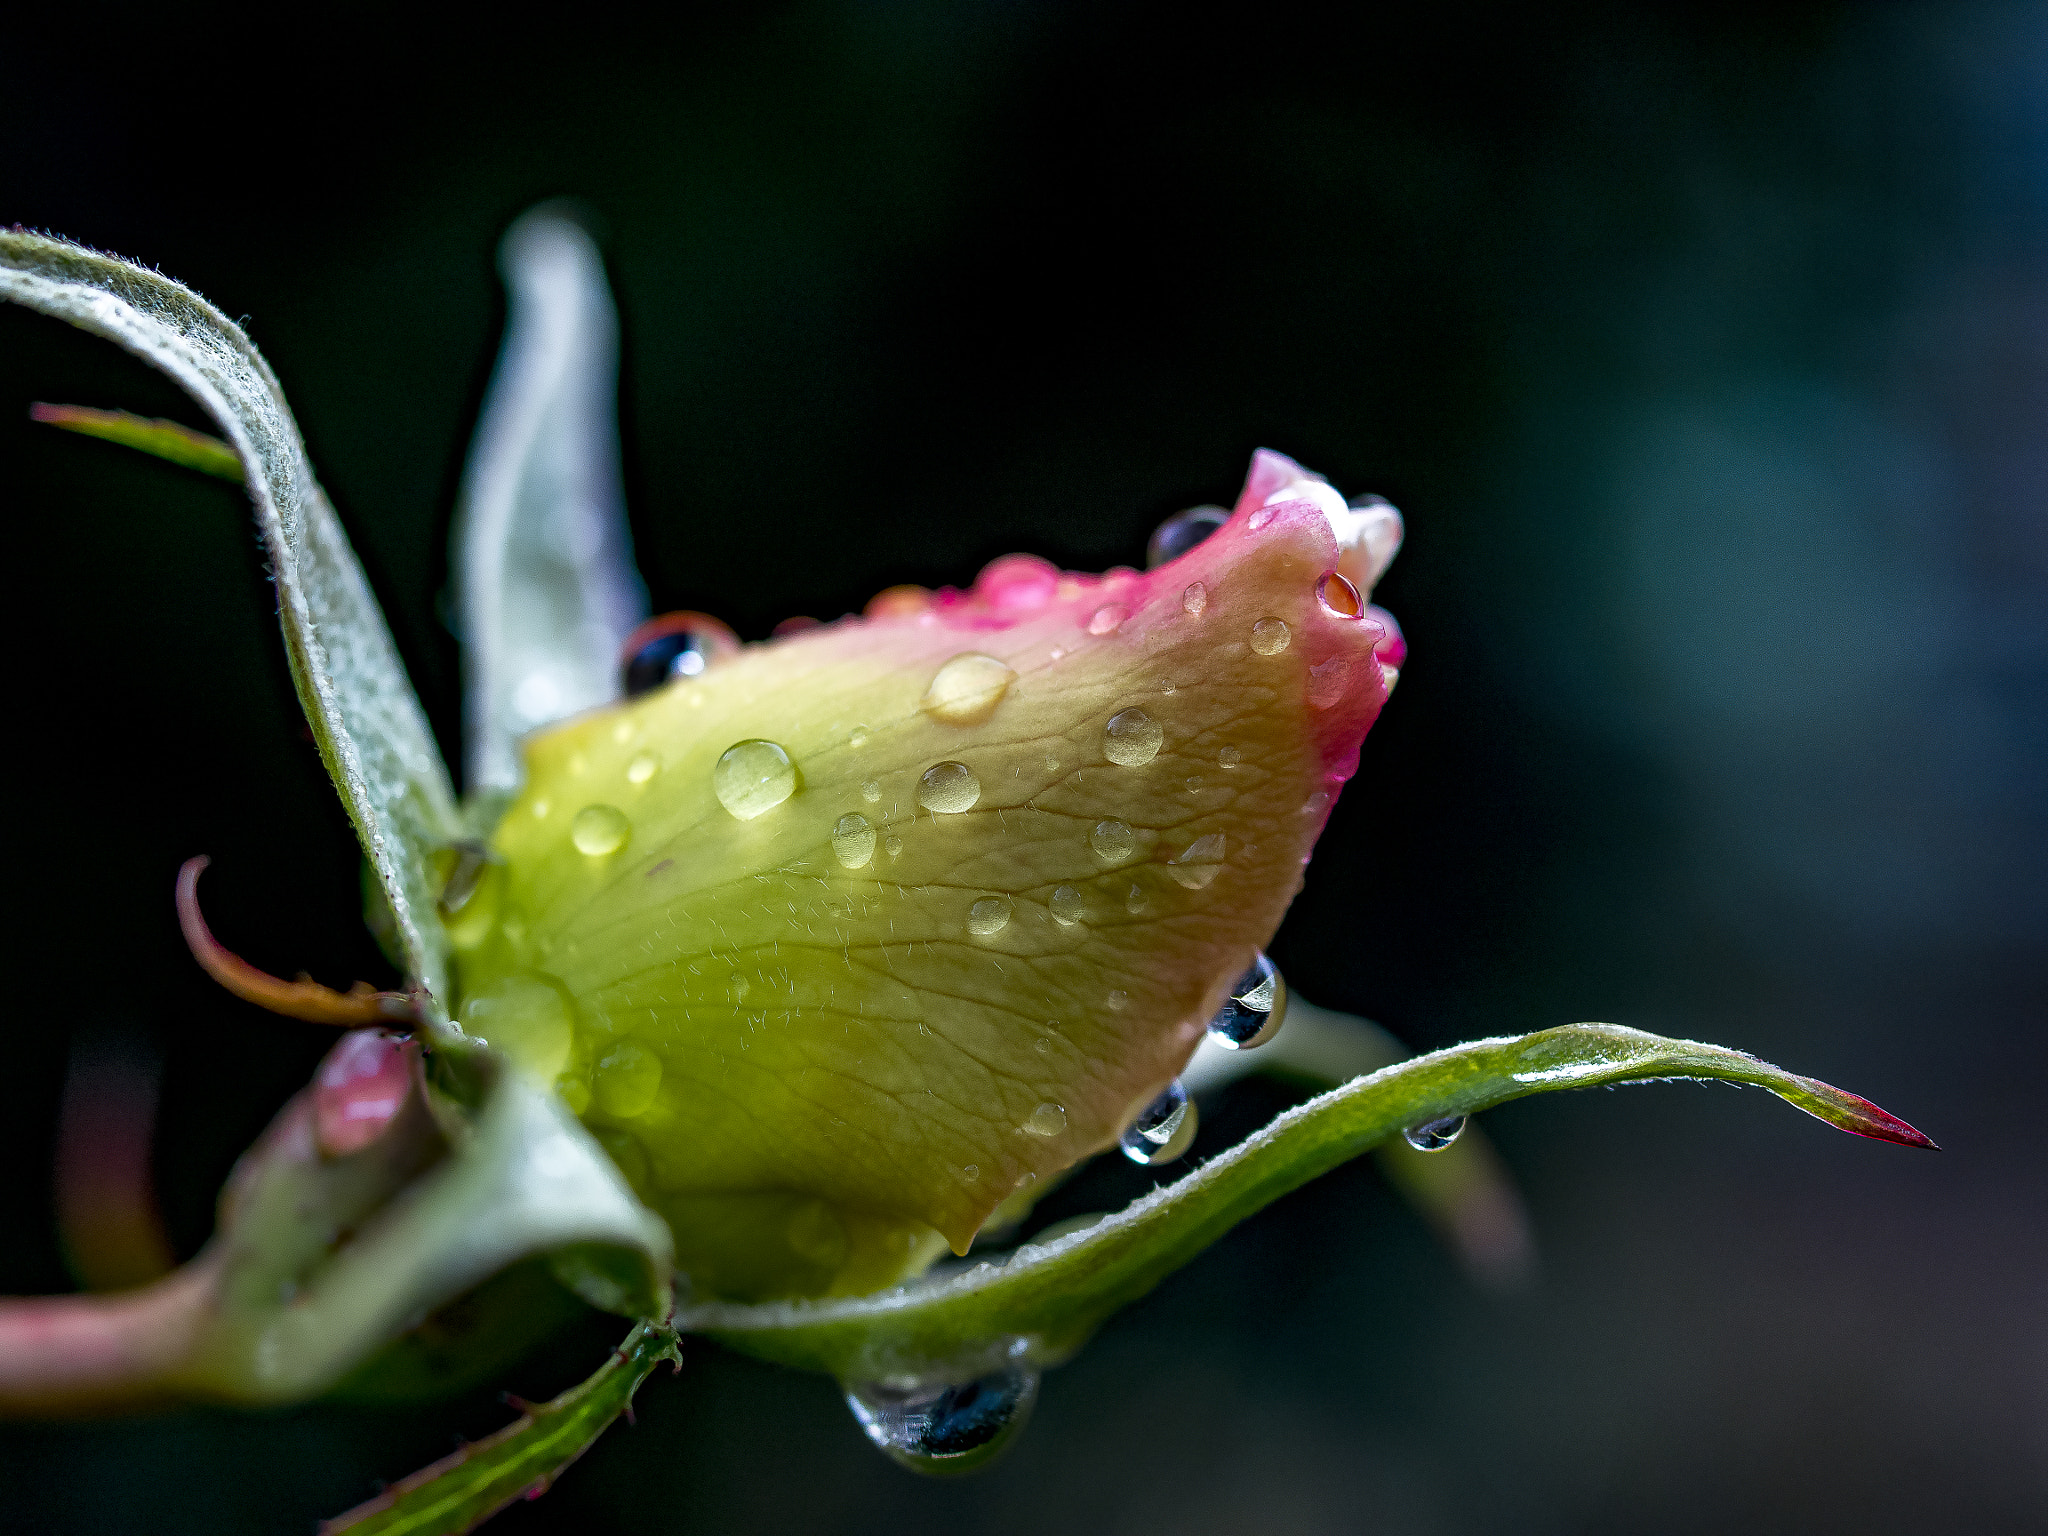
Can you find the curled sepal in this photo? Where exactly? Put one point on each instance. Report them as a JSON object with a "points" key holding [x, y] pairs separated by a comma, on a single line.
{"points": [[367, 1205], [542, 557], [1053, 1296], [522, 1460], [365, 718]]}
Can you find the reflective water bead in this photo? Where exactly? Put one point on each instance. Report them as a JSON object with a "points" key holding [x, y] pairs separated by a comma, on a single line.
{"points": [[1251, 1015], [1112, 840], [1194, 600], [751, 778], [1435, 1135], [1048, 1119], [945, 1429], [1068, 906], [1181, 533], [892, 845], [871, 790], [671, 646], [853, 840], [989, 915], [967, 689], [1156, 1135], [1270, 636], [627, 1079], [1229, 757], [600, 829], [1135, 902], [1200, 862], [1132, 738], [946, 789], [859, 738], [642, 766], [1339, 597], [1316, 803], [1118, 999], [1107, 618]]}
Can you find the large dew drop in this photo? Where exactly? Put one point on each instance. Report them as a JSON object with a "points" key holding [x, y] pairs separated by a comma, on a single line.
{"points": [[1436, 1134], [1112, 840], [853, 840], [939, 1430], [967, 689], [1251, 1015], [1200, 863], [946, 789], [1181, 533], [1162, 1130], [1047, 1120], [600, 829], [752, 778], [989, 915], [1270, 636], [1132, 738], [1068, 906]]}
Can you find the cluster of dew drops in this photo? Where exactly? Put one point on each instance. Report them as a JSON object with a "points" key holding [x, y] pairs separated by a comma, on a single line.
{"points": [[947, 1426]]}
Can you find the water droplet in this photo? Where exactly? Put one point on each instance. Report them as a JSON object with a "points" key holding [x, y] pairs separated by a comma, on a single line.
{"points": [[1251, 1015], [1229, 757], [1326, 680], [600, 829], [989, 915], [642, 766], [1435, 1135], [1200, 862], [1135, 902], [1181, 533], [945, 1429], [1259, 519], [1339, 597], [1046, 1120], [1052, 764], [1194, 783], [1316, 803], [948, 788], [526, 1018], [1107, 617], [752, 778], [1161, 1131], [853, 840], [628, 1077], [967, 689], [859, 738], [1270, 636], [1068, 905], [971, 1172], [871, 790], [1118, 1000], [892, 845], [1194, 600], [671, 646], [1112, 840], [1132, 738]]}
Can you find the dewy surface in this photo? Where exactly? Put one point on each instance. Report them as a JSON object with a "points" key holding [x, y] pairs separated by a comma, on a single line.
{"points": [[822, 1069]]}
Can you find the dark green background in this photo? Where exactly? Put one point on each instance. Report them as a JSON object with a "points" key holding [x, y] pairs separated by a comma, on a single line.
{"points": [[1706, 351]]}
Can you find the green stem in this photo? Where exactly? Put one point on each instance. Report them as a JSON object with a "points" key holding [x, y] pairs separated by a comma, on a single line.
{"points": [[521, 1460]]}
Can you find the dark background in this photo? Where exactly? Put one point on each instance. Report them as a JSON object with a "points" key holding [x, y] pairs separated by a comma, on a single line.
{"points": [[1706, 351]]}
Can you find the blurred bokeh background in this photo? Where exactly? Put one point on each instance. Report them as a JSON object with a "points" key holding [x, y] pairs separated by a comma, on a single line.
{"points": [[1705, 349]]}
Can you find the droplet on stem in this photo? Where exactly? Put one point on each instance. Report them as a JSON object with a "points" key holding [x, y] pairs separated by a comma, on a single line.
{"points": [[1435, 1135], [1162, 1130], [1252, 1014], [955, 1427]]}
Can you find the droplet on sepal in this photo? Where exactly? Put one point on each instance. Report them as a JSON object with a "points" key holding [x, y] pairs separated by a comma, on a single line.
{"points": [[954, 1427], [1048, 1119], [1132, 738], [1112, 840], [1252, 1014], [990, 915], [853, 840], [599, 830], [1162, 1130], [1271, 636], [946, 789], [967, 689], [1435, 1135]]}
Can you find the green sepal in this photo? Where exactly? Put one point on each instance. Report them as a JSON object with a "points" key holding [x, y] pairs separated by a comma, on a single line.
{"points": [[167, 440], [1053, 1297], [519, 1461]]}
